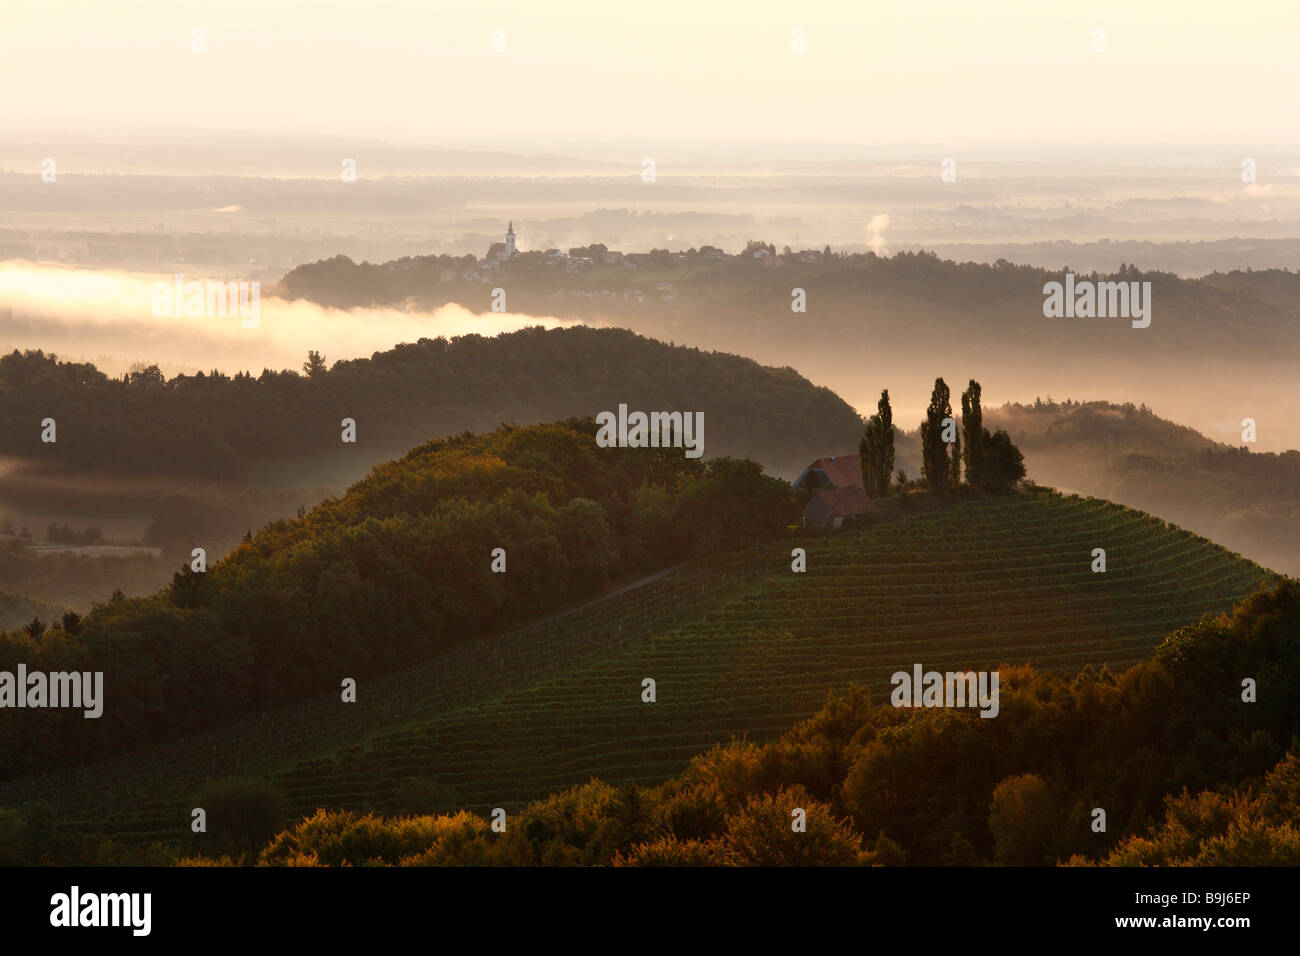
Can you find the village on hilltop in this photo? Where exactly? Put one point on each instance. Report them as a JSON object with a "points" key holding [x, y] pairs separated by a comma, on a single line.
{"points": [[504, 256], [580, 259]]}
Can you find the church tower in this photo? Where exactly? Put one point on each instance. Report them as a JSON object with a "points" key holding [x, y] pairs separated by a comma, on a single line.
{"points": [[510, 240]]}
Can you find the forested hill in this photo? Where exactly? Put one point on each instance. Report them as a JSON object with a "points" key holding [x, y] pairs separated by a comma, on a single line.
{"points": [[401, 568], [218, 427], [859, 300]]}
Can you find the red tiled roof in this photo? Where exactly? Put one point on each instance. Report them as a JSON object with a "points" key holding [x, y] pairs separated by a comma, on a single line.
{"points": [[843, 471], [845, 501]]}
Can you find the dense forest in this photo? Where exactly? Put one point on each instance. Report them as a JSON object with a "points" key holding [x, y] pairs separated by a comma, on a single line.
{"points": [[210, 426], [199, 460], [395, 571], [1187, 771]]}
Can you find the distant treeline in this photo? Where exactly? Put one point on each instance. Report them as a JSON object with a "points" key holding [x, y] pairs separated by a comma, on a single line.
{"points": [[19, 610], [396, 571], [1246, 500], [73, 581], [1186, 771], [908, 296], [211, 426]]}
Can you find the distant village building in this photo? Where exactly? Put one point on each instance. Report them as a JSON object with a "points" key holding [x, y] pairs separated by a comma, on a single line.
{"points": [[834, 486], [503, 250]]}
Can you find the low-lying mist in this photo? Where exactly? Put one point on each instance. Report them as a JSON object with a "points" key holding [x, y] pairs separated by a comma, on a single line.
{"points": [[107, 317], [1212, 396]]}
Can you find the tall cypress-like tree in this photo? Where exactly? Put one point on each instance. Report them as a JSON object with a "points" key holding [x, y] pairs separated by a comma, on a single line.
{"points": [[867, 449], [934, 452], [972, 427], [876, 449], [885, 460]]}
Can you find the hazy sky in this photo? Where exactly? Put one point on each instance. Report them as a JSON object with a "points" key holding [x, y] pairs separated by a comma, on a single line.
{"points": [[650, 75]]}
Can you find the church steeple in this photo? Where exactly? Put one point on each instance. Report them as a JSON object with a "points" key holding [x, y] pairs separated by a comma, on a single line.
{"points": [[510, 240]]}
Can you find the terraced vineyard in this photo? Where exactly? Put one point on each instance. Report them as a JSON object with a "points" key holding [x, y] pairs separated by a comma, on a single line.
{"points": [[986, 583]]}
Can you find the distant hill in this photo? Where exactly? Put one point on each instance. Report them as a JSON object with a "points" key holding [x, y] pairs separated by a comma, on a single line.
{"points": [[18, 610], [45, 584], [860, 299], [204, 455], [1248, 501], [218, 427], [1218, 347]]}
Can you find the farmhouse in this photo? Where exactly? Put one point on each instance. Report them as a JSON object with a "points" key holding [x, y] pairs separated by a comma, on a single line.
{"points": [[837, 471], [834, 487]]}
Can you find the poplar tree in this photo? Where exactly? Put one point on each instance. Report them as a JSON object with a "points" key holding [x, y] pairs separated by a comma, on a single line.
{"points": [[876, 449], [867, 456], [885, 460], [972, 428], [934, 452]]}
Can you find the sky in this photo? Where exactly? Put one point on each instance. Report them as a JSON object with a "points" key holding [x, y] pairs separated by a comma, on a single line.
{"points": [[647, 76]]}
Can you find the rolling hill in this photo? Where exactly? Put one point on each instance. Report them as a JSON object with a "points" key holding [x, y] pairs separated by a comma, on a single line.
{"points": [[911, 297], [202, 459], [283, 427], [985, 583], [462, 539], [1177, 763]]}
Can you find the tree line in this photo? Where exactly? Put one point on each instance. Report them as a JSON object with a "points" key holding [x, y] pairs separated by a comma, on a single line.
{"points": [[992, 463], [211, 425]]}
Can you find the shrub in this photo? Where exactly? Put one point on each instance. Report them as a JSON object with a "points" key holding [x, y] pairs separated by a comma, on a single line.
{"points": [[762, 834]]}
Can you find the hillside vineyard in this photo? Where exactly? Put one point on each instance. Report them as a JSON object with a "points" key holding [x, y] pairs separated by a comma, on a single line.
{"points": [[986, 583]]}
